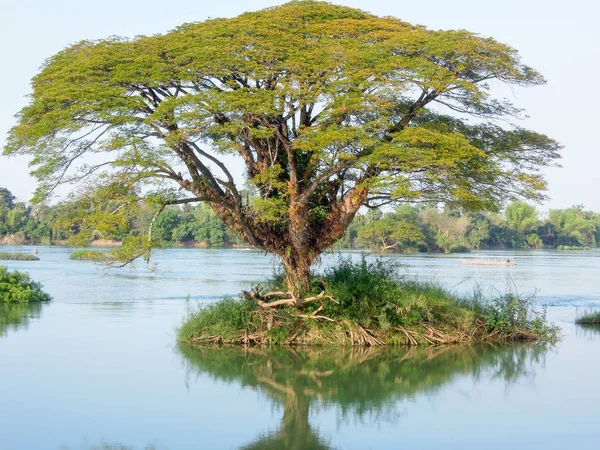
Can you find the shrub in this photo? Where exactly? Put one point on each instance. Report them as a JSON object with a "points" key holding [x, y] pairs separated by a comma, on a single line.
{"points": [[514, 312], [17, 287]]}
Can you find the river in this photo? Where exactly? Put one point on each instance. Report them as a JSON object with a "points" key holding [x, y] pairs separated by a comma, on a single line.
{"points": [[99, 367]]}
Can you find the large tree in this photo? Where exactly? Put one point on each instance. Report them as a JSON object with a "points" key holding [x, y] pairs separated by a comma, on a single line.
{"points": [[328, 108]]}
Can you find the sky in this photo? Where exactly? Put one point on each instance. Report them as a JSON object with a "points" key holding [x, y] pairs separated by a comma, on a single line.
{"points": [[560, 39]]}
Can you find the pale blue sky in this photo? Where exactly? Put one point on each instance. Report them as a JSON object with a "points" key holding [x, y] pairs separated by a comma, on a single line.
{"points": [[561, 39]]}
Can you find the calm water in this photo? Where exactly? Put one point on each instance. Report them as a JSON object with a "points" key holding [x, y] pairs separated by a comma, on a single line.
{"points": [[98, 368]]}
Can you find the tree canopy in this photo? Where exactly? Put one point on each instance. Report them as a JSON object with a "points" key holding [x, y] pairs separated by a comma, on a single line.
{"points": [[328, 108]]}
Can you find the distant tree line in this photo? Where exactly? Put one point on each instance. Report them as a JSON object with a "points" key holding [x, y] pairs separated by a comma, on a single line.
{"points": [[408, 228], [411, 228], [43, 224]]}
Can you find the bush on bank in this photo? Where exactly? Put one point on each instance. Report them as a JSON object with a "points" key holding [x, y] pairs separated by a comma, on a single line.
{"points": [[371, 306], [17, 287]]}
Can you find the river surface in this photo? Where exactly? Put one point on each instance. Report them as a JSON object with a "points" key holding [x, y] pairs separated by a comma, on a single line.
{"points": [[99, 367]]}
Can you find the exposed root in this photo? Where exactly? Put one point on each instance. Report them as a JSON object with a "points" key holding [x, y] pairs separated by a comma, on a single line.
{"points": [[409, 335], [286, 298], [312, 316], [268, 325], [362, 336]]}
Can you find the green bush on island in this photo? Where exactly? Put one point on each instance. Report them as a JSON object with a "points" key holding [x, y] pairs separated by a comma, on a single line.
{"points": [[6, 256], [589, 318], [572, 247], [17, 287], [88, 255], [366, 303]]}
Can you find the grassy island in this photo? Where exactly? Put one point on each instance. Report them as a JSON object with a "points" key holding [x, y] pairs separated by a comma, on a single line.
{"points": [[17, 287], [11, 256], [365, 304], [88, 255], [589, 318]]}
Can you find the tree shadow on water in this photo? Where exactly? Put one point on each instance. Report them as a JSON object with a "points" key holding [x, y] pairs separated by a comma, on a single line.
{"points": [[17, 315], [361, 382]]}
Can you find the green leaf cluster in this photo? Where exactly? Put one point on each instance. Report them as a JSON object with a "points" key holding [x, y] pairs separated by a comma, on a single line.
{"points": [[17, 287]]}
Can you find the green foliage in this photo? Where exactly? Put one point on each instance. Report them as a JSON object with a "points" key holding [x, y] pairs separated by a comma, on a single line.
{"points": [[6, 256], [521, 219], [574, 226], [328, 107], [88, 255], [454, 230], [511, 312], [17, 287], [589, 317], [396, 231], [165, 223], [534, 241], [521, 216]]}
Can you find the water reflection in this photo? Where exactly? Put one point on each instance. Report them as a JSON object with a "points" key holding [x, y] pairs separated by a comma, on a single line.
{"points": [[359, 381], [588, 331], [17, 315]]}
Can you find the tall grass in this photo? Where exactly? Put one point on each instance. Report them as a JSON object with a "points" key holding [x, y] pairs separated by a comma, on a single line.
{"points": [[6, 256]]}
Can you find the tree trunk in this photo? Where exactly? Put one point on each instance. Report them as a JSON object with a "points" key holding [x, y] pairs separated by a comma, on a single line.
{"points": [[297, 273]]}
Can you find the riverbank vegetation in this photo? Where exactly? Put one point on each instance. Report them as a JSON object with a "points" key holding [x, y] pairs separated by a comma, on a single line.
{"points": [[12, 256], [17, 287], [365, 304], [407, 228], [589, 318]]}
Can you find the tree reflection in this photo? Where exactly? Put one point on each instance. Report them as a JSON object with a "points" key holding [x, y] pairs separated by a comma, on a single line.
{"points": [[17, 315], [360, 381]]}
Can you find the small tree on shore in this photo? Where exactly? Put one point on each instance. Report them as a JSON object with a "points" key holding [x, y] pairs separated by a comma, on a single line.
{"points": [[328, 108]]}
